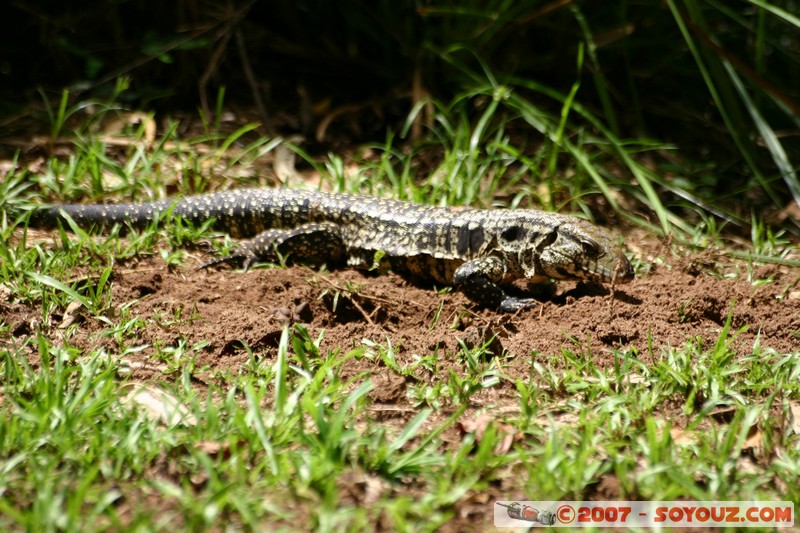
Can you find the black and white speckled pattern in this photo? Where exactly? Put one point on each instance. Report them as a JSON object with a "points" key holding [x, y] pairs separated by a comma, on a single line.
{"points": [[476, 250]]}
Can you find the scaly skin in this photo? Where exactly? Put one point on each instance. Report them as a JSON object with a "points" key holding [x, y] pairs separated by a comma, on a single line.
{"points": [[476, 250]]}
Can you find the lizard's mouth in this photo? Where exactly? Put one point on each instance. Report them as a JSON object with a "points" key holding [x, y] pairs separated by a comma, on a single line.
{"points": [[618, 272]]}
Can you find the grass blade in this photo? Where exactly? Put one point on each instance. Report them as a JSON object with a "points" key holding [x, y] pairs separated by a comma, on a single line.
{"points": [[55, 284]]}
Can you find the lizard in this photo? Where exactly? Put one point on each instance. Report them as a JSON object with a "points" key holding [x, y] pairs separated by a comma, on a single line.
{"points": [[477, 251]]}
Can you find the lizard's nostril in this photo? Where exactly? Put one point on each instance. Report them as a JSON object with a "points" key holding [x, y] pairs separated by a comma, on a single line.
{"points": [[623, 271]]}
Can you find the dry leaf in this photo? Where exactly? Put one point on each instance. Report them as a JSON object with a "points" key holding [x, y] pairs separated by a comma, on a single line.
{"points": [[753, 440], [636, 379], [794, 417], [284, 164], [71, 314], [160, 405], [361, 487], [683, 437], [505, 433], [214, 448], [116, 126], [5, 292]]}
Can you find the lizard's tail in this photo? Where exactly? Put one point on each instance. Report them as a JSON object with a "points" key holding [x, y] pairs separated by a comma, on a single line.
{"points": [[137, 215]]}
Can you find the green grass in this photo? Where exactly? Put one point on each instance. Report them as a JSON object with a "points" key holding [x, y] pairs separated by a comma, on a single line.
{"points": [[269, 443]]}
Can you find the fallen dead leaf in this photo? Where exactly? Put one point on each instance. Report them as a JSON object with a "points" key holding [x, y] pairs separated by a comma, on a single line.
{"points": [[794, 417], [636, 379], [683, 437], [115, 127], [361, 487], [71, 314], [159, 404], [5, 292], [214, 448], [754, 439], [480, 424]]}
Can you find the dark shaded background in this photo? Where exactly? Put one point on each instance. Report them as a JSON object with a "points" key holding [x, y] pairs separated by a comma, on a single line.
{"points": [[310, 58]]}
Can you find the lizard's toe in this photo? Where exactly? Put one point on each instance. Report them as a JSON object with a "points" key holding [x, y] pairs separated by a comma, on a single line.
{"points": [[511, 304], [248, 260]]}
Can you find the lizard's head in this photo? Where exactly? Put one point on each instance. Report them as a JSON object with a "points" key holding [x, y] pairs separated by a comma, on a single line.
{"points": [[575, 250]]}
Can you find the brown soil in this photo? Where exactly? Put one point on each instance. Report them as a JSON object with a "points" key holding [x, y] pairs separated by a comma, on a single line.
{"points": [[665, 307]]}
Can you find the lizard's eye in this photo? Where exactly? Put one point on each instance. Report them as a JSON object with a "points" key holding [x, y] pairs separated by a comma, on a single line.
{"points": [[590, 248]]}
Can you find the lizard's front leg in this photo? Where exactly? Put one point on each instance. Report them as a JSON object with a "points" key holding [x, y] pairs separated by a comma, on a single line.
{"points": [[479, 279]]}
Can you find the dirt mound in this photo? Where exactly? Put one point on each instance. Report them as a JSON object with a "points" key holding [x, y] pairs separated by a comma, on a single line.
{"points": [[222, 316], [227, 309]]}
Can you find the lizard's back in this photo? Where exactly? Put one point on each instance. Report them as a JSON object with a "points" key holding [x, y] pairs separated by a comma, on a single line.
{"points": [[474, 248]]}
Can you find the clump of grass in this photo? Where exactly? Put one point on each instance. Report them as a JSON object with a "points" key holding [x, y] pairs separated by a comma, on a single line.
{"points": [[278, 437]]}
